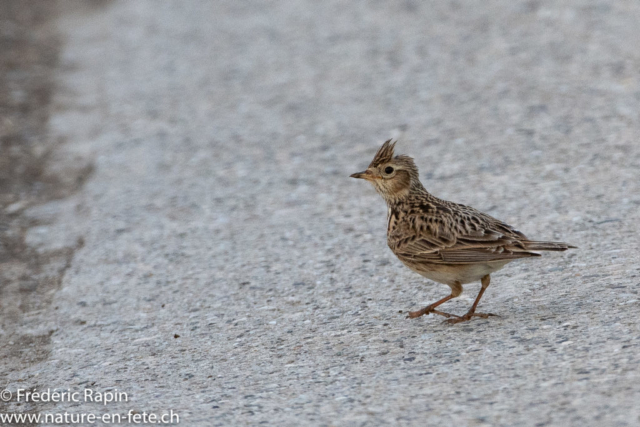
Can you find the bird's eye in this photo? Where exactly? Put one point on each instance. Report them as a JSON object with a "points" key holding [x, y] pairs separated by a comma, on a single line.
{"points": [[388, 170]]}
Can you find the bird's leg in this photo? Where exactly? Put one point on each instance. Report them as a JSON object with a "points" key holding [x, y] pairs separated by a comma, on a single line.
{"points": [[431, 309], [456, 290], [472, 312]]}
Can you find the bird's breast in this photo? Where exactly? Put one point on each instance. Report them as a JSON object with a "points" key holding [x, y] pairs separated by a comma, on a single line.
{"points": [[392, 219]]}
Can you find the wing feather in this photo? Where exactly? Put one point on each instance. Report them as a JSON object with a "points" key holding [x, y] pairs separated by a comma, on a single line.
{"points": [[456, 234]]}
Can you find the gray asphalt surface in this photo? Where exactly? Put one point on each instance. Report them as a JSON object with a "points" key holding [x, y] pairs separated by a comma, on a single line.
{"points": [[233, 273]]}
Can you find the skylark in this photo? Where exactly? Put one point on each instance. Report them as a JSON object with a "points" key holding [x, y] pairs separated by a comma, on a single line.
{"points": [[443, 241]]}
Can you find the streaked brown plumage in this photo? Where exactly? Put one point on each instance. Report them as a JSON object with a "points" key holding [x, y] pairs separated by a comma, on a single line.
{"points": [[443, 241]]}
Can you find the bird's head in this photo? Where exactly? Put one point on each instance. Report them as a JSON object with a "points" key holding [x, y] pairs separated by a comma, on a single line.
{"points": [[392, 177]]}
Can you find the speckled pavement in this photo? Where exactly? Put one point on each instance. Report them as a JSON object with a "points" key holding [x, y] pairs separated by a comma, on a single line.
{"points": [[233, 273]]}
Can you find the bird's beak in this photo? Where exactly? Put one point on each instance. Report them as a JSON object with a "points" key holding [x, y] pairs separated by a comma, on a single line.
{"points": [[368, 175]]}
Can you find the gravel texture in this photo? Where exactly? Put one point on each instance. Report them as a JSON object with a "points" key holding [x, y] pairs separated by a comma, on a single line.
{"points": [[233, 273]]}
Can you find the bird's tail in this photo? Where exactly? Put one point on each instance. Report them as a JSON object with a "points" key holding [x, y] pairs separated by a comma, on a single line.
{"points": [[547, 246]]}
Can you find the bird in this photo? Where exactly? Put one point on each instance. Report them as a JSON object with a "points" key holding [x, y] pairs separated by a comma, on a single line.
{"points": [[446, 242]]}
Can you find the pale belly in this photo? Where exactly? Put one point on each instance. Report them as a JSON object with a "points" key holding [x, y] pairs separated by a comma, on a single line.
{"points": [[461, 273]]}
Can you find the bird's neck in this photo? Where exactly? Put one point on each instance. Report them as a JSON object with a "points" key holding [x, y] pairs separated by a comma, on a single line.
{"points": [[415, 190]]}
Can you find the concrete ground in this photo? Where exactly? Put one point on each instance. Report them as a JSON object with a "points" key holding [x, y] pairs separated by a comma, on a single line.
{"points": [[226, 267]]}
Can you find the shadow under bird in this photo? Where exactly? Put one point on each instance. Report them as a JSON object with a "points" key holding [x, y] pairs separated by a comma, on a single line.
{"points": [[444, 241]]}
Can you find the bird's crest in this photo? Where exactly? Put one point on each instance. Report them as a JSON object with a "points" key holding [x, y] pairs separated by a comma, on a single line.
{"points": [[384, 154]]}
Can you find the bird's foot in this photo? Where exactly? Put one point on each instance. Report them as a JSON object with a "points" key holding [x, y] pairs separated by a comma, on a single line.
{"points": [[468, 316], [429, 310], [447, 315], [486, 315]]}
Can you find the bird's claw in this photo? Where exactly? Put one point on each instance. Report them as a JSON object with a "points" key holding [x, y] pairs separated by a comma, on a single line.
{"points": [[429, 310], [468, 316]]}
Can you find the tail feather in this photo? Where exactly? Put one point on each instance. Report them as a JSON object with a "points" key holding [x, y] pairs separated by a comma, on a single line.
{"points": [[546, 246]]}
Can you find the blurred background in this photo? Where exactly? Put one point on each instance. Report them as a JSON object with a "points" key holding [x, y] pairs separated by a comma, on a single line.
{"points": [[177, 221]]}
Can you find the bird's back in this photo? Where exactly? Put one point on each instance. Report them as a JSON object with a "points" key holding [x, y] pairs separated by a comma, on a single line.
{"points": [[426, 229]]}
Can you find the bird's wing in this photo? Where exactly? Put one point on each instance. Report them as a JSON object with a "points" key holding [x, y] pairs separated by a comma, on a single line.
{"points": [[455, 234]]}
